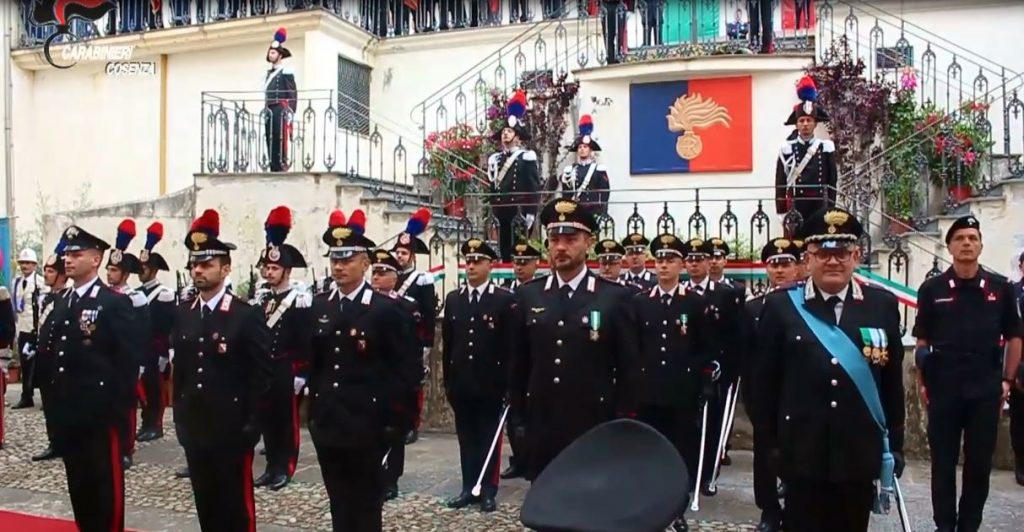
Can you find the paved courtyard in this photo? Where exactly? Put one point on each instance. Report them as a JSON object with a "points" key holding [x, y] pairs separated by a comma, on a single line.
{"points": [[159, 502]]}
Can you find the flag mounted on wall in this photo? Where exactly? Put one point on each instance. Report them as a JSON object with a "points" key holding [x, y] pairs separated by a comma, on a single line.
{"points": [[697, 125]]}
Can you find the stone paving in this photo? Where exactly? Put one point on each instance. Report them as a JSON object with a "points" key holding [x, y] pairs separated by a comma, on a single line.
{"points": [[157, 501]]}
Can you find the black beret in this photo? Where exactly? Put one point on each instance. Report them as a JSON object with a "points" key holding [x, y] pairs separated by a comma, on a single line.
{"points": [[963, 222]]}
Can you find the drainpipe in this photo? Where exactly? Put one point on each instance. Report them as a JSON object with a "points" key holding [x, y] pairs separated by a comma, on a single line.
{"points": [[10, 15]]}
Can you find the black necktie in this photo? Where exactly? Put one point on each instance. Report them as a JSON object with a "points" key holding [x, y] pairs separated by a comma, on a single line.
{"points": [[666, 299], [74, 297], [699, 289], [831, 303], [566, 292], [474, 297], [204, 311]]}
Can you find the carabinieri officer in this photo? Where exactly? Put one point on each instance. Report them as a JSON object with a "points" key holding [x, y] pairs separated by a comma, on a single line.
{"points": [[830, 383], [964, 315]]}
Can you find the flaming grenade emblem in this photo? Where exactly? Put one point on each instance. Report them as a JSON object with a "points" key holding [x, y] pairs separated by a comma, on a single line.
{"points": [[693, 111]]}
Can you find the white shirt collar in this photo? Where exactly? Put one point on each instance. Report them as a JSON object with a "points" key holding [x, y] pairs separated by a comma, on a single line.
{"points": [[352, 295], [480, 290], [703, 284], [85, 287], [573, 283], [215, 300], [662, 292], [842, 293]]}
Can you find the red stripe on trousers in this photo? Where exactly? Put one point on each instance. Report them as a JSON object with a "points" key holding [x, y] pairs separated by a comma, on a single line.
{"points": [[132, 427], [294, 456], [497, 459], [420, 396], [117, 477], [250, 501]]}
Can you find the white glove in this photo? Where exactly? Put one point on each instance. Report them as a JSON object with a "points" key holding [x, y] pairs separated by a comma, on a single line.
{"points": [[529, 220], [170, 355], [426, 355], [142, 369], [162, 363], [28, 351], [299, 383]]}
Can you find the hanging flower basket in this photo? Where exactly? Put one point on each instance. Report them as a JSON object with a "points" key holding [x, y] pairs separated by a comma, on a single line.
{"points": [[900, 226]]}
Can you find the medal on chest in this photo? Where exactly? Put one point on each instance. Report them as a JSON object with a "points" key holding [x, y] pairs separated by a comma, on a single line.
{"points": [[683, 318], [595, 325], [875, 348]]}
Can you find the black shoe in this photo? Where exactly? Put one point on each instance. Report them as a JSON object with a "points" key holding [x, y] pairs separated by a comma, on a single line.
{"points": [[47, 454], [182, 473], [24, 403], [278, 481], [463, 500], [512, 472], [679, 525], [391, 492], [706, 490], [1019, 475], [411, 437], [769, 523], [149, 435], [263, 480], [726, 460], [488, 505], [126, 462]]}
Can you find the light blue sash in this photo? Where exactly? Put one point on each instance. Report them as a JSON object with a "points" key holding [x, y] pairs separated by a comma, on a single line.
{"points": [[850, 359]]}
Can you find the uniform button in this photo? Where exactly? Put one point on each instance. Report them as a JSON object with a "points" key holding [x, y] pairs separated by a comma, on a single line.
{"points": [[664, 322], [472, 319], [561, 323], [201, 339], [663, 335], [335, 385], [470, 344], [558, 342], [471, 331], [662, 349], [60, 354], [798, 337], [600, 399], [61, 369], [337, 349], [337, 333], [835, 382], [835, 361], [236, 399], [63, 337], [101, 383], [200, 386], [374, 399], [336, 367], [558, 361], [200, 370], [662, 362], [787, 418], [555, 380], [471, 357], [832, 404]]}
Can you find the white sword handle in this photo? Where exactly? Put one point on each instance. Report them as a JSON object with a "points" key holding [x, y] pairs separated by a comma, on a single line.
{"points": [[722, 432], [494, 443]]}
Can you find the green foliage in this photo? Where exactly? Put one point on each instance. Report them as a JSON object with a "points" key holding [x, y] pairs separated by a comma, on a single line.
{"points": [[900, 190]]}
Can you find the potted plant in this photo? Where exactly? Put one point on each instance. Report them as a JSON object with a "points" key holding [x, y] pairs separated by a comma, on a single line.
{"points": [[899, 186], [454, 162], [958, 147]]}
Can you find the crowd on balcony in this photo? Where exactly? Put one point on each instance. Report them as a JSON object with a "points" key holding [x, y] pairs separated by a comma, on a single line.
{"points": [[626, 23]]}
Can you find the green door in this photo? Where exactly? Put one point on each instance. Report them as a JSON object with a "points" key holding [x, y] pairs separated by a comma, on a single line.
{"points": [[680, 16]]}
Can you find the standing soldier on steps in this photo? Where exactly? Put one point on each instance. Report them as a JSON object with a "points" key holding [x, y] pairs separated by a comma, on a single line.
{"points": [[514, 176], [56, 279], [780, 258], [26, 289], [673, 356], [281, 103], [805, 175], [966, 369], [288, 316], [120, 267], [366, 366], [829, 384], [222, 370], [96, 353], [161, 302], [475, 343], [587, 180], [418, 285]]}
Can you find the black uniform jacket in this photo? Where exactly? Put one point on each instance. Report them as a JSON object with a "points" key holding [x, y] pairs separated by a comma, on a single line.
{"points": [[645, 280], [46, 357], [289, 317], [817, 180], [419, 286], [515, 179], [365, 361], [813, 412], [576, 357], [586, 183], [475, 342], [162, 312], [280, 88], [95, 356], [725, 321], [673, 346], [222, 370]]}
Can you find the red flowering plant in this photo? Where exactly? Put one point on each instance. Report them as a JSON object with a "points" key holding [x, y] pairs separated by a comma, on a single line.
{"points": [[958, 143], [454, 159]]}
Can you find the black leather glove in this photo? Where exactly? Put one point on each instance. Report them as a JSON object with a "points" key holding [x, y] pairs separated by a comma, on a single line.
{"points": [[900, 464]]}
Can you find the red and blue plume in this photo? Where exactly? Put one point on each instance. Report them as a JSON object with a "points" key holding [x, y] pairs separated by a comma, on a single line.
{"points": [[125, 234], [337, 219], [154, 234], [517, 104], [586, 125], [208, 222], [806, 90], [280, 35], [418, 222], [278, 224], [357, 222]]}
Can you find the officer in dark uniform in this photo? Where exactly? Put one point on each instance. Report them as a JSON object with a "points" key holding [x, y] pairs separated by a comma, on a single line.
{"points": [[829, 383], [609, 261], [673, 354], [514, 175], [287, 313], [806, 174], [55, 278], [366, 362], [92, 344], [960, 363], [120, 266], [586, 181], [725, 306], [1017, 394], [574, 344], [475, 350], [222, 370], [384, 279], [718, 258], [637, 273], [525, 259], [281, 103], [779, 256], [161, 301], [418, 285], [8, 332]]}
